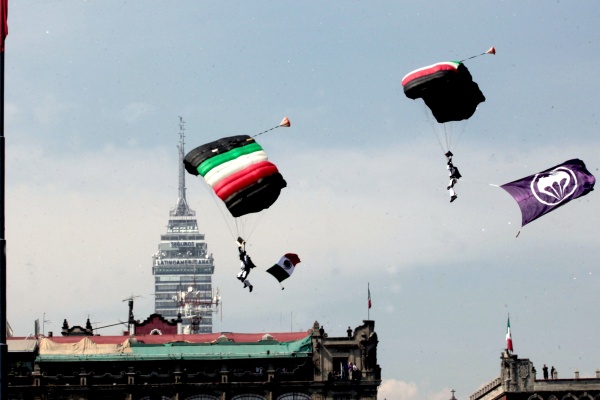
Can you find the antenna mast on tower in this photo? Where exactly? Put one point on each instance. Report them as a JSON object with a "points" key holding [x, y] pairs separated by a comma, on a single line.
{"points": [[193, 304], [182, 206]]}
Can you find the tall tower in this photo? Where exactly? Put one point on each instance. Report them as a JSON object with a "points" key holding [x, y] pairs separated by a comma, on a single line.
{"points": [[183, 265]]}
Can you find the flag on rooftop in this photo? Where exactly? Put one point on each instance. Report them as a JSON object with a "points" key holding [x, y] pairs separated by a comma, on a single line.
{"points": [[3, 22], [509, 344]]}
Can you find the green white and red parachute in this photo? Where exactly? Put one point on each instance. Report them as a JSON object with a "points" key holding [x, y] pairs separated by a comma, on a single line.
{"points": [[447, 88], [449, 92], [238, 170]]}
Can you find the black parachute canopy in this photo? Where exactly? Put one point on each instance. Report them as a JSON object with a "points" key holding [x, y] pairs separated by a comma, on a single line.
{"points": [[447, 89]]}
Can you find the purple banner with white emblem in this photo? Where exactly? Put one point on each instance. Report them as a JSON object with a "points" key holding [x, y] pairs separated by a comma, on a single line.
{"points": [[547, 190]]}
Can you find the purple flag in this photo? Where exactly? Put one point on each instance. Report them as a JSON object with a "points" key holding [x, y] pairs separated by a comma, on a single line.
{"points": [[547, 190]]}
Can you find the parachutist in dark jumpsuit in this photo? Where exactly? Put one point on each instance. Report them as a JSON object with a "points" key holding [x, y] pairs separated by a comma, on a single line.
{"points": [[454, 176], [247, 264]]}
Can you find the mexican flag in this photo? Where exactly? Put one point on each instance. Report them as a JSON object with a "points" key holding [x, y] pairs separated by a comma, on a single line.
{"points": [[284, 267], [509, 345]]}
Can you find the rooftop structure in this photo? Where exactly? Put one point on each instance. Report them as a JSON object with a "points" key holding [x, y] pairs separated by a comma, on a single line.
{"points": [[518, 380], [261, 366]]}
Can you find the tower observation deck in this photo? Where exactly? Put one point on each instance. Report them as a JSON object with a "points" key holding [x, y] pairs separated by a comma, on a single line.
{"points": [[182, 264]]}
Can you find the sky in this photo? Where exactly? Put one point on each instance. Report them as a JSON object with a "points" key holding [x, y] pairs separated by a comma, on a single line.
{"points": [[93, 95]]}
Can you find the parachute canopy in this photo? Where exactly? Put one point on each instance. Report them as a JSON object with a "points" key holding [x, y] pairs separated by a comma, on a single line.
{"points": [[238, 170], [447, 89]]}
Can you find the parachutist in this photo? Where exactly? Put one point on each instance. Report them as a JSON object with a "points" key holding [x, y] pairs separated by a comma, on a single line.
{"points": [[246, 264], [454, 176]]}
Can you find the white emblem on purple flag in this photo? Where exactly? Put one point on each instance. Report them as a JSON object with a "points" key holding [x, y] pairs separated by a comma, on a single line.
{"points": [[553, 187]]}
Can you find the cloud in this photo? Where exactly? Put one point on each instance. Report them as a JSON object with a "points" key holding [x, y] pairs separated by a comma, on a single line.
{"points": [[378, 209], [50, 111], [392, 389], [134, 112]]}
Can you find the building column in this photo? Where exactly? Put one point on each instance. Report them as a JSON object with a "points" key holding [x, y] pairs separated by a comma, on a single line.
{"points": [[37, 376], [224, 375]]}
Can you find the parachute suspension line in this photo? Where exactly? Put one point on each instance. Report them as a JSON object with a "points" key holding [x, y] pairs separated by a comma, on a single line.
{"points": [[448, 135], [242, 223], [246, 224], [461, 126], [220, 207], [259, 217], [438, 135], [434, 129], [235, 225]]}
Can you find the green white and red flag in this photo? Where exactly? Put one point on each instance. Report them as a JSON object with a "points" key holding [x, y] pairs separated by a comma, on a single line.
{"points": [[509, 344], [3, 22]]}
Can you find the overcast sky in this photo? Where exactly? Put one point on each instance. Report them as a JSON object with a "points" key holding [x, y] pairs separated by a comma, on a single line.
{"points": [[94, 91]]}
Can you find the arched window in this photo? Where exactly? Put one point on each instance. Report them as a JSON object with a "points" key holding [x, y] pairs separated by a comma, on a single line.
{"points": [[161, 398], [202, 397], [535, 397], [155, 332], [248, 397], [294, 396]]}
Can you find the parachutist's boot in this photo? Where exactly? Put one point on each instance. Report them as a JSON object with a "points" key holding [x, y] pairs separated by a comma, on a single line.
{"points": [[251, 287], [453, 198]]}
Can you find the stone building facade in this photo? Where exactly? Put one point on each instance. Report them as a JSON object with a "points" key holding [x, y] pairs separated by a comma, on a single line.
{"points": [[308, 365], [519, 380]]}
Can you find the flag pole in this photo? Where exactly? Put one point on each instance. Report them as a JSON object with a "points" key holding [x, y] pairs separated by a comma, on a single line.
{"points": [[3, 319], [368, 302]]}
